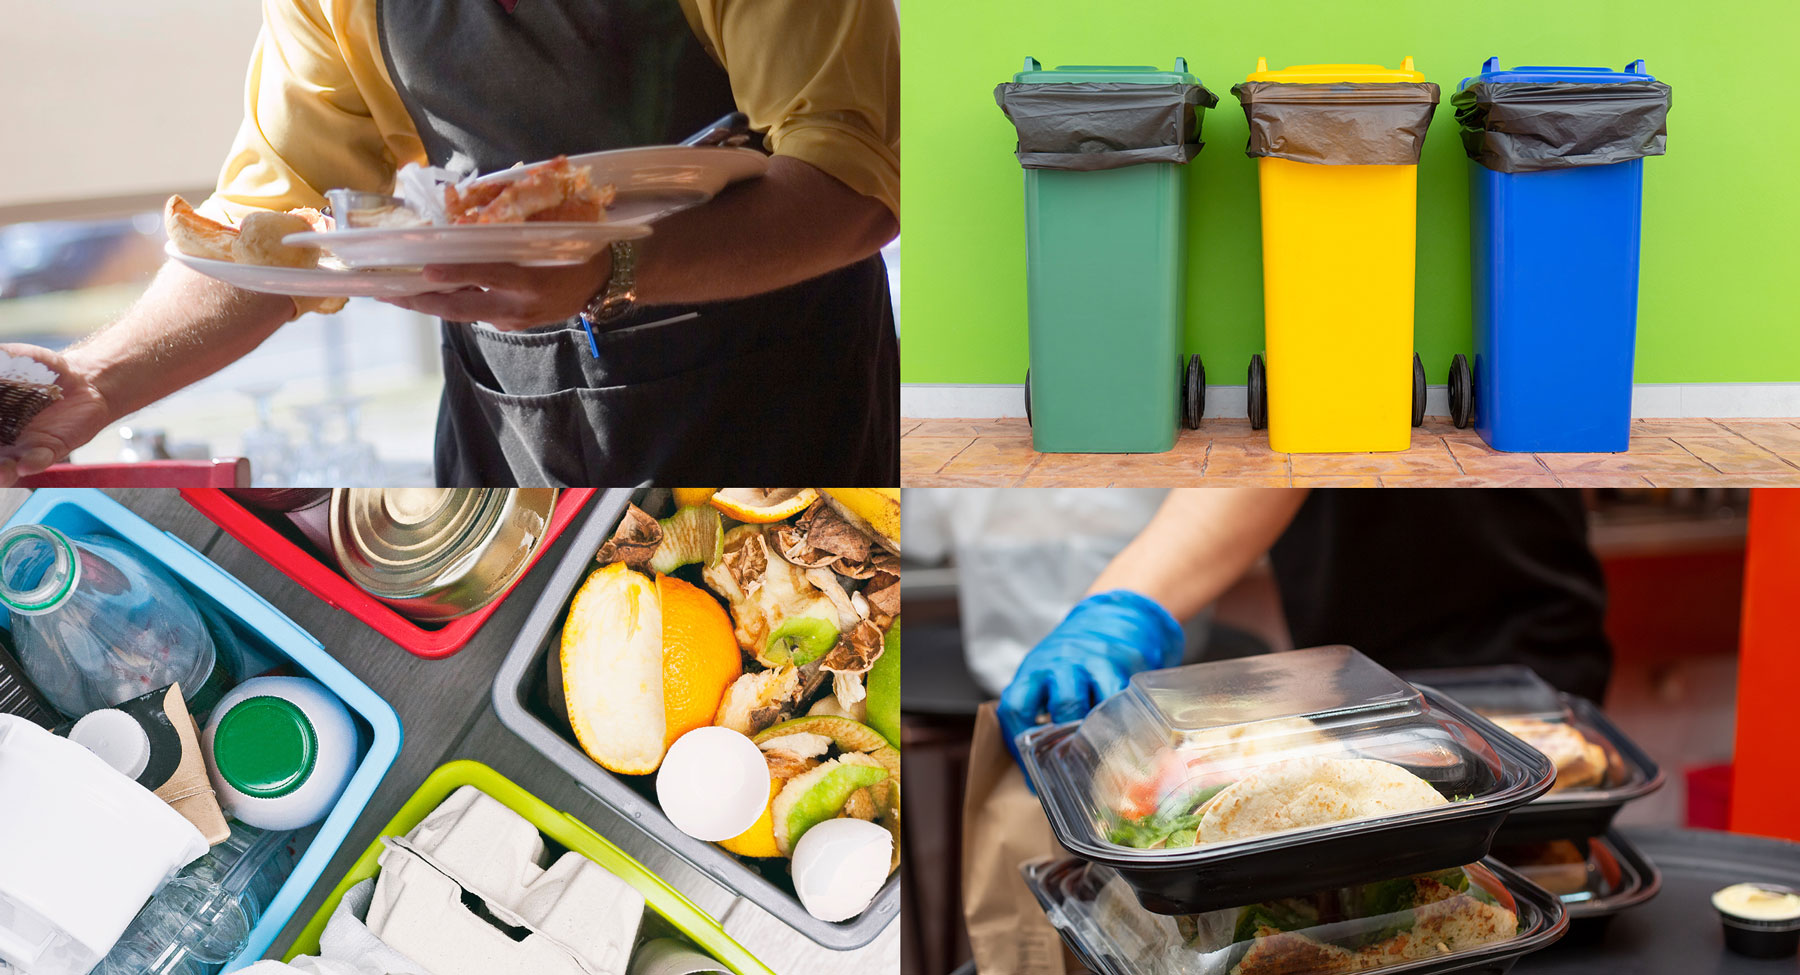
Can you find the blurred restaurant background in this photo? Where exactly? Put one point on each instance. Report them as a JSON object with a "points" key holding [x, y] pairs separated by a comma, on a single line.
{"points": [[347, 399], [989, 572]]}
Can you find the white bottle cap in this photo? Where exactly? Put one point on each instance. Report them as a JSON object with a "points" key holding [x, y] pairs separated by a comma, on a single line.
{"points": [[117, 738]]}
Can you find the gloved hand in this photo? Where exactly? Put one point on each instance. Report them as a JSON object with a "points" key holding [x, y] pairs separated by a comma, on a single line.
{"points": [[1089, 657]]}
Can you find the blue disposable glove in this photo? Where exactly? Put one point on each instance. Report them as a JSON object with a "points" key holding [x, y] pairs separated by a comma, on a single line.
{"points": [[1089, 657]]}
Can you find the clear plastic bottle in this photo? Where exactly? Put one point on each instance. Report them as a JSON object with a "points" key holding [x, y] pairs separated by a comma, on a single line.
{"points": [[252, 863], [94, 624], [202, 918]]}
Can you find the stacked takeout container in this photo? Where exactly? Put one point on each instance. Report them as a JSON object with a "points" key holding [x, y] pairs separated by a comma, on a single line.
{"points": [[1297, 812], [1564, 840]]}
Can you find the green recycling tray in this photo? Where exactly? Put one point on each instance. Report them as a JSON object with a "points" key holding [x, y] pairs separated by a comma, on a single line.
{"points": [[659, 898]]}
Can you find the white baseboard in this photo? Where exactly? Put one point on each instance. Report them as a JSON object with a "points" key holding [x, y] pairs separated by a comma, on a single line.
{"points": [[929, 401]]}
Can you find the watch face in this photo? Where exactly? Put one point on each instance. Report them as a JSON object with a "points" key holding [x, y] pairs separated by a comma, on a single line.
{"points": [[616, 305]]}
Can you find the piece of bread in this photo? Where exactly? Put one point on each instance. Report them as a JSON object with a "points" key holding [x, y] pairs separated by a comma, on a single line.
{"points": [[195, 235], [319, 306], [259, 241], [1579, 762]]}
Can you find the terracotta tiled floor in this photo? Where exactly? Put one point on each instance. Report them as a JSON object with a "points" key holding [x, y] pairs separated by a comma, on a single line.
{"points": [[1664, 453]]}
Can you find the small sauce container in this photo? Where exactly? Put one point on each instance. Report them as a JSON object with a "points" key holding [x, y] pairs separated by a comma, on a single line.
{"points": [[1761, 920]]}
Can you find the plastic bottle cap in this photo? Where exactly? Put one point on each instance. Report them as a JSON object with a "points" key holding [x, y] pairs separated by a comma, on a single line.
{"points": [[117, 738], [265, 747]]}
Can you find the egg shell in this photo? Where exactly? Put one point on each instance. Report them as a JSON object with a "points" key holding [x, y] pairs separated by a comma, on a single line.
{"points": [[839, 867], [713, 784]]}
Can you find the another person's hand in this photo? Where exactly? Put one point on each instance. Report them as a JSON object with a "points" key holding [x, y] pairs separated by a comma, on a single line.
{"points": [[510, 297], [63, 425], [1089, 657]]}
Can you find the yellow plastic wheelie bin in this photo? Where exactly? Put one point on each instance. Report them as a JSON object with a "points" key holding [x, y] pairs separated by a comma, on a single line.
{"points": [[1337, 149]]}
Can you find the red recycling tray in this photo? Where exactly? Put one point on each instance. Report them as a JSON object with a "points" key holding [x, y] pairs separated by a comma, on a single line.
{"points": [[323, 581]]}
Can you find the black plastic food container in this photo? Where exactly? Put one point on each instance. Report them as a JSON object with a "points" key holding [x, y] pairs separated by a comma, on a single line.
{"points": [[1110, 940], [1213, 723], [1613, 875], [521, 700], [1504, 693]]}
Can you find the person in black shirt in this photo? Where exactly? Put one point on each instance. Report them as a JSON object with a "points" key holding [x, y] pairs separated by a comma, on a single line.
{"points": [[1412, 578]]}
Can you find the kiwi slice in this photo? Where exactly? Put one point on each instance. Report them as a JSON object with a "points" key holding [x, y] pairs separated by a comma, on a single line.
{"points": [[850, 737], [690, 535], [800, 640], [815, 796]]}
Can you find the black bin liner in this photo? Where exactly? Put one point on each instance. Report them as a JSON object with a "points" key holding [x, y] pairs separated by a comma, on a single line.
{"points": [[1348, 124], [1097, 125], [1530, 127]]}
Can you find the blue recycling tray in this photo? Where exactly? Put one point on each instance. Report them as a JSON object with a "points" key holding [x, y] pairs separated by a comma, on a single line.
{"points": [[268, 633]]}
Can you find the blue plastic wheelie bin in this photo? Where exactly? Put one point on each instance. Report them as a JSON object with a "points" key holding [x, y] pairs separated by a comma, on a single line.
{"points": [[1557, 178]]}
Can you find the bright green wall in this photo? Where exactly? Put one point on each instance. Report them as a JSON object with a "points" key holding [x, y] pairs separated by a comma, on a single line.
{"points": [[1720, 257]]}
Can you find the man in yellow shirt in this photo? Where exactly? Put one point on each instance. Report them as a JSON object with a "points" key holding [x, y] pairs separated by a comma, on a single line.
{"points": [[789, 372]]}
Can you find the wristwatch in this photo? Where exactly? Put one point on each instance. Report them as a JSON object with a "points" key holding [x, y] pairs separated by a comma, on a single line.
{"points": [[620, 294]]}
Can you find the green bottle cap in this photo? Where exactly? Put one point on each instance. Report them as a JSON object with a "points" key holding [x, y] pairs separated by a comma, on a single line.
{"points": [[265, 747]]}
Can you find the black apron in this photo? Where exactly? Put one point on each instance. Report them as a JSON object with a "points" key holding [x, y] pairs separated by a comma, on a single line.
{"points": [[1438, 577], [799, 385]]}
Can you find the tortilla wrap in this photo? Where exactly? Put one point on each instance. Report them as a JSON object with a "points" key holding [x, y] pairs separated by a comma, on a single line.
{"points": [[1312, 792]]}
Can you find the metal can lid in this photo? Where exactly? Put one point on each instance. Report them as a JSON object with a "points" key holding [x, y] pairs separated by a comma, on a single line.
{"points": [[400, 542]]}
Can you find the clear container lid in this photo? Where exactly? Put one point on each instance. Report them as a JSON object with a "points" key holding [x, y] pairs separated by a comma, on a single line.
{"points": [[1232, 751], [1592, 756], [1451, 920]]}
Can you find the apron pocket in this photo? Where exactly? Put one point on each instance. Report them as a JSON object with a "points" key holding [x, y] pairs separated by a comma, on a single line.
{"points": [[556, 358], [615, 434]]}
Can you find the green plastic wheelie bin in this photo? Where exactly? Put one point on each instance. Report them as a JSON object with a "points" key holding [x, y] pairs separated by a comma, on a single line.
{"points": [[1104, 150]]}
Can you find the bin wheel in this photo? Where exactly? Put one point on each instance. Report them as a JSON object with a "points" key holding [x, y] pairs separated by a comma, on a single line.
{"points": [[1193, 393], [1028, 397], [1258, 395], [1462, 392], [1418, 417]]}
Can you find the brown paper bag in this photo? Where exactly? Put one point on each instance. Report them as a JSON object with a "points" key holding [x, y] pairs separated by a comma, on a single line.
{"points": [[1003, 827]]}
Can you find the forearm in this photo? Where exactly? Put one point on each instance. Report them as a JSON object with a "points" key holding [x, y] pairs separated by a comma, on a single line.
{"points": [[185, 327], [793, 224], [1200, 541]]}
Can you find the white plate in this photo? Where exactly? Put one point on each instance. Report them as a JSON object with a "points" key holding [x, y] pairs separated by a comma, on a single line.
{"points": [[651, 182], [678, 170], [529, 244], [319, 282]]}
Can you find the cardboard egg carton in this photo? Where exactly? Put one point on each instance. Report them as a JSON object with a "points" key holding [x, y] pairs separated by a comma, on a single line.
{"points": [[467, 893]]}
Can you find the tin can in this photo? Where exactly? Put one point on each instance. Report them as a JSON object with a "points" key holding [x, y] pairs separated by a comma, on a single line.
{"points": [[435, 554]]}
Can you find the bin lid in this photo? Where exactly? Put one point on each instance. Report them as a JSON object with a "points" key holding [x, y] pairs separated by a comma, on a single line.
{"points": [[1331, 74], [1119, 74], [1534, 74]]}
